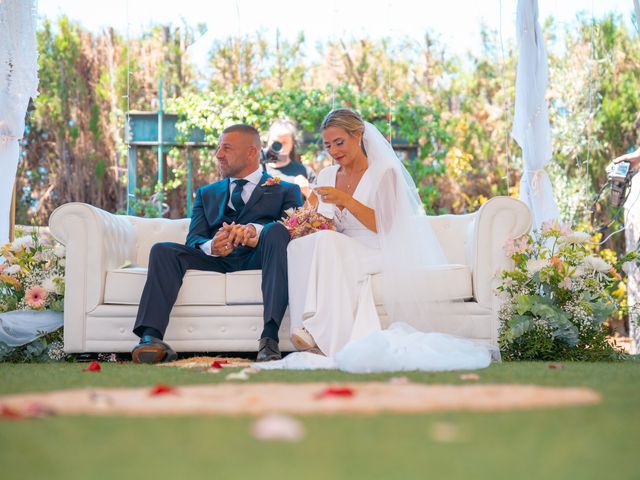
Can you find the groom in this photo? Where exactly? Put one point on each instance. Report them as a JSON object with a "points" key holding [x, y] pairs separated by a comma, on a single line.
{"points": [[233, 227]]}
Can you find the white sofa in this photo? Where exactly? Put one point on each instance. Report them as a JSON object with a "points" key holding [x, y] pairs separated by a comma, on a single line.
{"points": [[218, 312]]}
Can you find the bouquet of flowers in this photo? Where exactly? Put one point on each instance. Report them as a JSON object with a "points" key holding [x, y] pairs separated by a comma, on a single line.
{"points": [[557, 297], [306, 220], [32, 275]]}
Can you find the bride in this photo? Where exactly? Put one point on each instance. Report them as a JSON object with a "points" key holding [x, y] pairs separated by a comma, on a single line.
{"points": [[381, 228]]}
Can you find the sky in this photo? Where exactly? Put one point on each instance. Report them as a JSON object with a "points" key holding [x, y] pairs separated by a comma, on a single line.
{"points": [[456, 23]]}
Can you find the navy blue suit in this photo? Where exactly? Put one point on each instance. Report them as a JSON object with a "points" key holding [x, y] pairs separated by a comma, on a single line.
{"points": [[169, 261]]}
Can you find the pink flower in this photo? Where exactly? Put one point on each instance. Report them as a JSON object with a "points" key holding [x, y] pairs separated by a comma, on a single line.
{"points": [[548, 226], [565, 283], [517, 245], [509, 247], [565, 229], [36, 297], [522, 243]]}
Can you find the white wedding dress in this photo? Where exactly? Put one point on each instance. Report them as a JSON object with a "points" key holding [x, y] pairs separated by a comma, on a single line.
{"points": [[329, 274], [330, 288]]}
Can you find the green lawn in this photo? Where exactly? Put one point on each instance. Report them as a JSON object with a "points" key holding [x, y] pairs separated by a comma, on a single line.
{"points": [[581, 442]]}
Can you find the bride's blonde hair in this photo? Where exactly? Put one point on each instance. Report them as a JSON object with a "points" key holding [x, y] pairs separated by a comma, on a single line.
{"points": [[346, 119]]}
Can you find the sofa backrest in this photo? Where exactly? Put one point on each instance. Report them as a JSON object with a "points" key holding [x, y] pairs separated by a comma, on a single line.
{"points": [[153, 230], [453, 232]]}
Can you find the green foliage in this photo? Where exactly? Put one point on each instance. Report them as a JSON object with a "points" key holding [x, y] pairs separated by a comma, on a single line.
{"points": [[535, 343], [46, 348], [413, 122], [145, 204]]}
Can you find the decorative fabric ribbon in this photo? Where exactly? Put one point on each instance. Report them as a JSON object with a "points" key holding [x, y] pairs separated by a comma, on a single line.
{"points": [[535, 178]]}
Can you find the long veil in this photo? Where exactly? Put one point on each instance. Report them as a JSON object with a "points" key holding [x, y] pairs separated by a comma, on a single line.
{"points": [[408, 243]]}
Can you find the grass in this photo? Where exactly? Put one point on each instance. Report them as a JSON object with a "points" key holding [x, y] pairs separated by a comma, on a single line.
{"points": [[579, 442]]}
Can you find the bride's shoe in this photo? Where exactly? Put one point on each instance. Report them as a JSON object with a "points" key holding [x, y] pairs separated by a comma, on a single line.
{"points": [[304, 342]]}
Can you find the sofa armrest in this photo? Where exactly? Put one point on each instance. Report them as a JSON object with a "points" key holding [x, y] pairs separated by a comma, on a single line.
{"points": [[498, 219], [96, 241]]}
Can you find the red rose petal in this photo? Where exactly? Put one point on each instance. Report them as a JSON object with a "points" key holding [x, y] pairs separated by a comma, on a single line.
{"points": [[9, 413], [556, 365], [161, 390], [335, 392], [219, 363], [93, 367]]}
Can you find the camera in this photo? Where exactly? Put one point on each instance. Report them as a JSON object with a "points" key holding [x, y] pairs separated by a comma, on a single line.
{"points": [[271, 153], [620, 175]]}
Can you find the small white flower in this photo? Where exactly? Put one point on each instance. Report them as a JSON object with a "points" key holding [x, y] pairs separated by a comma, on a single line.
{"points": [[22, 242], [237, 376], [535, 265], [507, 282], [593, 263], [278, 427], [12, 269], [62, 262], [52, 284], [575, 238], [59, 250]]}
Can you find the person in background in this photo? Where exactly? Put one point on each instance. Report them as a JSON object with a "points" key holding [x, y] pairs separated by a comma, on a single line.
{"points": [[288, 166], [633, 158]]}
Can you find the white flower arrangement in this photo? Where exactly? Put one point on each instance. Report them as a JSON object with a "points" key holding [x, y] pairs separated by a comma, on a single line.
{"points": [[556, 297]]}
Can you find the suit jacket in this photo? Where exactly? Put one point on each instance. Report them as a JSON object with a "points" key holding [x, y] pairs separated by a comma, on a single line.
{"points": [[266, 204]]}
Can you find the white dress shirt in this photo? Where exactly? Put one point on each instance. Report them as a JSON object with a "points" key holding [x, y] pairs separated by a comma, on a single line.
{"points": [[252, 182]]}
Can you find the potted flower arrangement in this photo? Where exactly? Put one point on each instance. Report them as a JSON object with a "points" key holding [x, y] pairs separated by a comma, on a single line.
{"points": [[31, 298], [557, 297]]}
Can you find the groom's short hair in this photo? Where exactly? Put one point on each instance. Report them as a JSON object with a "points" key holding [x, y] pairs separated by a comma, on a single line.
{"points": [[247, 130]]}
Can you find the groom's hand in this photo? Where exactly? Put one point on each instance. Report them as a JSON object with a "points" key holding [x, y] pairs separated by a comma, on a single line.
{"points": [[221, 244], [243, 235]]}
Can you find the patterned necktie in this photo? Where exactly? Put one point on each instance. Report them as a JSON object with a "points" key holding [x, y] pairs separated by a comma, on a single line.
{"points": [[236, 195]]}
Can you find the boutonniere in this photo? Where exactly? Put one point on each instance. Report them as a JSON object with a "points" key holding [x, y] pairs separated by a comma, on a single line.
{"points": [[271, 181]]}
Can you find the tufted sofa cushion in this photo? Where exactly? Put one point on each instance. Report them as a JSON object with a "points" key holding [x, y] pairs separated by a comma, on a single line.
{"points": [[124, 286]]}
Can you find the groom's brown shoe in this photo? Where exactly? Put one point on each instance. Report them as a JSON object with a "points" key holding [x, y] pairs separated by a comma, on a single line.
{"points": [[268, 350], [152, 350]]}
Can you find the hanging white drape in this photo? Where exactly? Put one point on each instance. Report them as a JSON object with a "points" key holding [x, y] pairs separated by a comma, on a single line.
{"points": [[18, 83], [531, 127]]}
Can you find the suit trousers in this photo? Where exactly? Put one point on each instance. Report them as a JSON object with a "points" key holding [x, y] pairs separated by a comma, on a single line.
{"points": [[168, 262]]}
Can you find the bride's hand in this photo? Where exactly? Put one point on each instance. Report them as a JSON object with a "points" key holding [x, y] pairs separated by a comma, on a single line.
{"points": [[333, 195]]}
